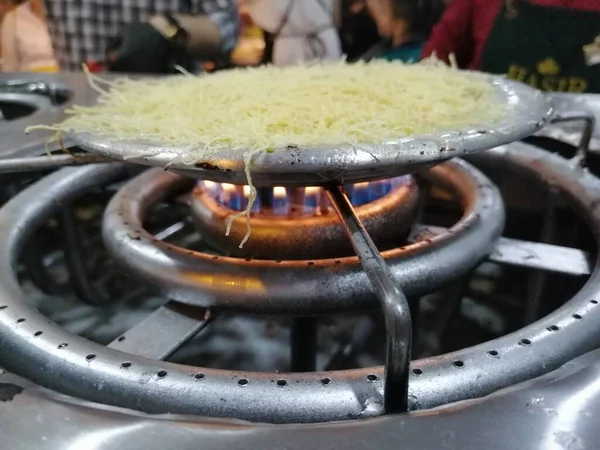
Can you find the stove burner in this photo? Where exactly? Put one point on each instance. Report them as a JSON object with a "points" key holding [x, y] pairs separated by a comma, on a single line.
{"points": [[299, 223], [303, 287], [49, 355]]}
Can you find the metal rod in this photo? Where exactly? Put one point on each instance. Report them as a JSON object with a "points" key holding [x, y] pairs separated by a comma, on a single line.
{"points": [[537, 282], [36, 163], [586, 136], [324, 205], [170, 231], [304, 344], [394, 303], [446, 311], [79, 275]]}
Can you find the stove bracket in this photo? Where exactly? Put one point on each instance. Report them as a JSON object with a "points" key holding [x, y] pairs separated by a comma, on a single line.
{"points": [[586, 136], [393, 301], [163, 332]]}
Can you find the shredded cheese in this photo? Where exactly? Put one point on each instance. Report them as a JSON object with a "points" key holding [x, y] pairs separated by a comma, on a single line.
{"points": [[268, 108]]}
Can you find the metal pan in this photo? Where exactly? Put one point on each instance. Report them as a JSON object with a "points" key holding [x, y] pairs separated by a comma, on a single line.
{"points": [[528, 111]]}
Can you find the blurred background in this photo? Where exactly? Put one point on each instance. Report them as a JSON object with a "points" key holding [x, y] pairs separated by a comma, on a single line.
{"points": [[553, 45]]}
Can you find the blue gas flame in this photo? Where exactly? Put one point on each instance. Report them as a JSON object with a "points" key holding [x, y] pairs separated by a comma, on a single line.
{"points": [[305, 200]]}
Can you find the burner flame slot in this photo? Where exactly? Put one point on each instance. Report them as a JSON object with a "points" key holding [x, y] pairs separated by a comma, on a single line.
{"points": [[296, 201], [281, 205]]}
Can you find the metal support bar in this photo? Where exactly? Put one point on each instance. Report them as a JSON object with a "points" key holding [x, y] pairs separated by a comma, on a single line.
{"points": [[170, 231], [304, 344], [533, 255], [163, 332], [586, 136], [538, 279], [445, 313], [79, 276], [36, 163], [551, 258], [394, 303], [324, 205]]}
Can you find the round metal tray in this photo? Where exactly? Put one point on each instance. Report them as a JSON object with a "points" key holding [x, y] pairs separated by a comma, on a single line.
{"points": [[527, 111]]}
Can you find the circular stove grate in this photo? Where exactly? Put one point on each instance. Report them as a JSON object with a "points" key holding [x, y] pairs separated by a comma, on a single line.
{"points": [[298, 287], [33, 347]]}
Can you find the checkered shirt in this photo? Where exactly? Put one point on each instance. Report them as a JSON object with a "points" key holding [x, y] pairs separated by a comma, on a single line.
{"points": [[82, 29]]}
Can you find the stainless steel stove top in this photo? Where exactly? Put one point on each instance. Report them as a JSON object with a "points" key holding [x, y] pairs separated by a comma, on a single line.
{"points": [[557, 411]]}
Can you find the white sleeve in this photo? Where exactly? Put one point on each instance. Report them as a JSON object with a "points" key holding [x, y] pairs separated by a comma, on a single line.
{"points": [[268, 14], [10, 59]]}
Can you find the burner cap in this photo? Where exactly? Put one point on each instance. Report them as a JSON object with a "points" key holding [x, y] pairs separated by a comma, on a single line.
{"points": [[306, 232]]}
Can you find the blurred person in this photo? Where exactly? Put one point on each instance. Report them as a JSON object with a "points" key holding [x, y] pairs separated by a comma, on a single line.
{"points": [[141, 36], [298, 31], [26, 43], [358, 31], [552, 45], [250, 48], [404, 26], [5, 7]]}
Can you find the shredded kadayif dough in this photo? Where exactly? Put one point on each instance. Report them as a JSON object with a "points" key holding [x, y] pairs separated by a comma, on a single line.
{"points": [[268, 108]]}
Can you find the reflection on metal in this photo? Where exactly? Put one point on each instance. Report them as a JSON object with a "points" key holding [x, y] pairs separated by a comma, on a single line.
{"points": [[42, 87]]}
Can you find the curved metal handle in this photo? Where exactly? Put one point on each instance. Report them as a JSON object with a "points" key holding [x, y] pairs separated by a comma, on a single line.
{"points": [[584, 144], [395, 305]]}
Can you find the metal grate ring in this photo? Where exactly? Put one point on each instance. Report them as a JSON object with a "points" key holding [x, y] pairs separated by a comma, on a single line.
{"points": [[41, 351]]}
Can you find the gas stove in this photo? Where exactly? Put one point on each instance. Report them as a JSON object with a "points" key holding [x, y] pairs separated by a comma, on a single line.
{"points": [[128, 319]]}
